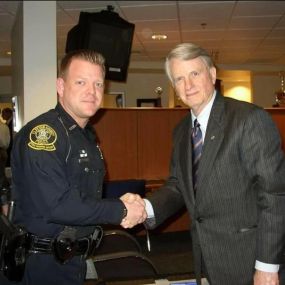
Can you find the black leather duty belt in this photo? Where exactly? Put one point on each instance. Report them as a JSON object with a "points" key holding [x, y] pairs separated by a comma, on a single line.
{"points": [[47, 245], [64, 249]]}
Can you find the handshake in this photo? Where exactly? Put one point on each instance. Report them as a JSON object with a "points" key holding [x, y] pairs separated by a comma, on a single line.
{"points": [[136, 210]]}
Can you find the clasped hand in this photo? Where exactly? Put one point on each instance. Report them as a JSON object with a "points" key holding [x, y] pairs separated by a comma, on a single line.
{"points": [[136, 210]]}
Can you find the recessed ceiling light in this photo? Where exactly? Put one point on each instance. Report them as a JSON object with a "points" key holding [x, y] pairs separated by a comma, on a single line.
{"points": [[159, 37]]}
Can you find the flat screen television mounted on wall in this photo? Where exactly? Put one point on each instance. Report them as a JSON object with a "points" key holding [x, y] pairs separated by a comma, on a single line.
{"points": [[105, 32]]}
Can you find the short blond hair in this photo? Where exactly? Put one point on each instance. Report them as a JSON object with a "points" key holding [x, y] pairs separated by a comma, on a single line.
{"points": [[84, 54]]}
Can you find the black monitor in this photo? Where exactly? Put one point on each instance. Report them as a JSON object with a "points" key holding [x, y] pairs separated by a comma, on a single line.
{"points": [[105, 32]]}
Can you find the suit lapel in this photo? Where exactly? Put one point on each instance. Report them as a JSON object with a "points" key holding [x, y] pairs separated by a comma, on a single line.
{"points": [[185, 157], [212, 142]]}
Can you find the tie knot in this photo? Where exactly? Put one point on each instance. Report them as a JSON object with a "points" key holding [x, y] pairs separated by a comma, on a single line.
{"points": [[196, 127], [196, 124]]}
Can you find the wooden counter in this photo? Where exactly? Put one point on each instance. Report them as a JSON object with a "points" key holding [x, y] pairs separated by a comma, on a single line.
{"points": [[278, 116]]}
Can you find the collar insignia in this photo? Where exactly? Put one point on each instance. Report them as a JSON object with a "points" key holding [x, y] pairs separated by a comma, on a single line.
{"points": [[43, 137], [101, 154]]}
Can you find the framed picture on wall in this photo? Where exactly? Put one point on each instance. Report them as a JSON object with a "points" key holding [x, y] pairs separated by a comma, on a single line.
{"points": [[149, 102]]}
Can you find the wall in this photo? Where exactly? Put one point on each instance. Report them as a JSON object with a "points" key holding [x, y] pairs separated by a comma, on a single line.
{"points": [[141, 84], [5, 84], [264, 86], [34, 66], [238, 90]]}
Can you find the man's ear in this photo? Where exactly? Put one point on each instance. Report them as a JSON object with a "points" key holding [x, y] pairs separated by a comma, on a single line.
{"points": [[60, 86], [213, 73]]}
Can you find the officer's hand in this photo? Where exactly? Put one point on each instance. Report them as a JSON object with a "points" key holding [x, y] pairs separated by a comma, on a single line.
{"points": [[131, 198]]}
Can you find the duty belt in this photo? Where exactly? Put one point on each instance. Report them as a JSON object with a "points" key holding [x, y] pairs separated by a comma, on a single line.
{"points": [[65, 248], [46, 245], [17, 244]]}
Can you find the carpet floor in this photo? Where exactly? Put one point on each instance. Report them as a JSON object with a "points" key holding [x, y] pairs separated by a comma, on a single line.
{"points": [[171, 252]]}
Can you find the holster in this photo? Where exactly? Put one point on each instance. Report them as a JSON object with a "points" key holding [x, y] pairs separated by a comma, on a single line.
{"points": [[65, 246], [96, 240], [14, 250]]}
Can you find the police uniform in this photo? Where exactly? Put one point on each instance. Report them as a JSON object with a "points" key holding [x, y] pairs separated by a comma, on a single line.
{"points": [[57, 176]]}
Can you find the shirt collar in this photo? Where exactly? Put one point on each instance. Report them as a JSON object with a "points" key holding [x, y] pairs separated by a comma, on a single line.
{"points": [[204, 115]]}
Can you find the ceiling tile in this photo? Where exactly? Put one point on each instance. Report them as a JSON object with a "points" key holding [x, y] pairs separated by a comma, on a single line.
{"points": [[80, 5], [150, 12], [200, 9], [203, 35], [253, 22], [235, 34], [151, 26], [259, 8]]}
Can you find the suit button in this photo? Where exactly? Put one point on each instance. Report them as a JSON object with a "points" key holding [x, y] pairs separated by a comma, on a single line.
{"points": [[199, 220]]}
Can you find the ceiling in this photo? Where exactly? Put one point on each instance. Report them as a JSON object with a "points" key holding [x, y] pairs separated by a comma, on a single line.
{"points": [[234, 32]]}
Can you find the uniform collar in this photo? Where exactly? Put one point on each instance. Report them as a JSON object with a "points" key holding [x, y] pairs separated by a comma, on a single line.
{"points": [[69, 122]]}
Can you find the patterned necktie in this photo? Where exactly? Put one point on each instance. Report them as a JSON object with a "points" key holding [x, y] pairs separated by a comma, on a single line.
{"points": [[197, 144]]}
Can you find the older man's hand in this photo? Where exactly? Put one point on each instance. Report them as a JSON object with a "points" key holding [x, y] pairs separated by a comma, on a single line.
{"points": [[266, 278]]}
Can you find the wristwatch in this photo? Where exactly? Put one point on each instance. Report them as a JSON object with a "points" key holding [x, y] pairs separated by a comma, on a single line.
{"points": [[125, 212]]}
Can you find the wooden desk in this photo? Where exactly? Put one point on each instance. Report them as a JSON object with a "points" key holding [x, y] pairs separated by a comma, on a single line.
{"points": [[152, 185]]}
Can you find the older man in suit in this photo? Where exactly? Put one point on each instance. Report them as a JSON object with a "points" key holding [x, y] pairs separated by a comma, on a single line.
{"points": [[234, 191]]}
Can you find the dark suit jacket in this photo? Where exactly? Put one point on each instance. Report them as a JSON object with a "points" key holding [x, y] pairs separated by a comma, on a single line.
{"points": [[238, 214]]}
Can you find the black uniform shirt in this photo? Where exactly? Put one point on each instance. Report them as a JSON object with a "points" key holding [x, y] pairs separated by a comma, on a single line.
{"points": [[57, 176]]}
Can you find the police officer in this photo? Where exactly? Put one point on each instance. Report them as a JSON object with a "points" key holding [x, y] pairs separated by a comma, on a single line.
{"points": [[57, 176]]}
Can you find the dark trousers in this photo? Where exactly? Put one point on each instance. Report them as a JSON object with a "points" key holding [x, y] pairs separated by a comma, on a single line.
{"points": [[4, 281], [43, 269], [3, 158]]}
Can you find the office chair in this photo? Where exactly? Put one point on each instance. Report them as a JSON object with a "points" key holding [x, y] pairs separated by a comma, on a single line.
{"points": [[119, 255], [124, 265], [115, 240], [117, 188]]}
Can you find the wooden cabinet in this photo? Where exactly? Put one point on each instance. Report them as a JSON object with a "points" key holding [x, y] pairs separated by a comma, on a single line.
{"points": [[137, 143]]}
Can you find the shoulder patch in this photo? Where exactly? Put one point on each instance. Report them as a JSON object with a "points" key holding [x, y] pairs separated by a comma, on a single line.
{"points": [[43, 137]]}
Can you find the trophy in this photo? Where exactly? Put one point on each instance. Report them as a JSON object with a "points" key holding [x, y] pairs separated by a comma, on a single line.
{"points": [[280, 95], [158, 90]]}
